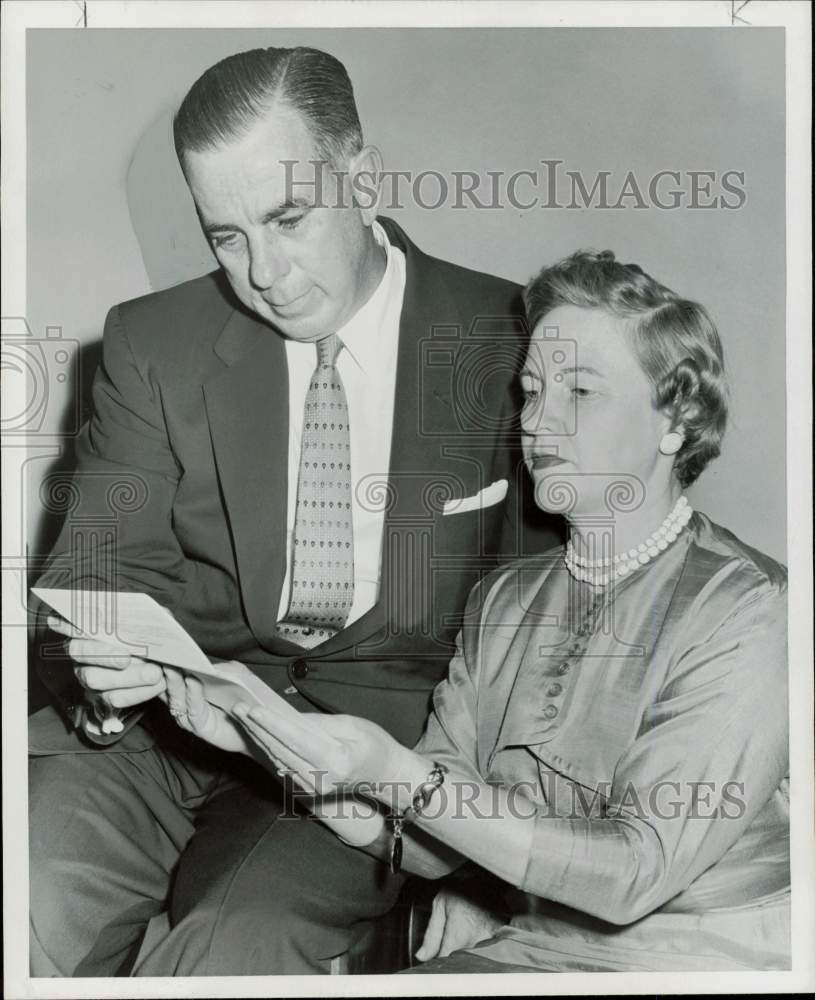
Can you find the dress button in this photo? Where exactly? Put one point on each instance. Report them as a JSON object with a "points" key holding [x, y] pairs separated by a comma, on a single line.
{"points": [[555, 690], [550, 712], [564, 668], [299, 669]]}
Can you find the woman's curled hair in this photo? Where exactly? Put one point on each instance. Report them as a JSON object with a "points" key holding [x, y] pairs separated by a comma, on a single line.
{"points": [[674, 339]]}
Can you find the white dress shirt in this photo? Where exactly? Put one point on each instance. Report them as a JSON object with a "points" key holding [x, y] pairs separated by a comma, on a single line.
{"points": [[367, 365]]}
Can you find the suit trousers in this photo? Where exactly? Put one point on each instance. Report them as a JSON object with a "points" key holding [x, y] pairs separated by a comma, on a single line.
{"points": [[202, 843]]}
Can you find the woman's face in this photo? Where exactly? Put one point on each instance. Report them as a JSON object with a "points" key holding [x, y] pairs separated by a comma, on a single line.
{"points": [[588, 418]]}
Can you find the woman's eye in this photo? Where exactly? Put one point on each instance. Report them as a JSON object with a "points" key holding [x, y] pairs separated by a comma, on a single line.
{"points": [[581, 392]]}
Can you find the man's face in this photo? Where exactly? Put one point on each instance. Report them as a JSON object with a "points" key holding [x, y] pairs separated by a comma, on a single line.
{"points": [[302, 266]]}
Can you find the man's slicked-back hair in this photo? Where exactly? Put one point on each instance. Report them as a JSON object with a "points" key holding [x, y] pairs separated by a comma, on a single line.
{"points": [[674, 339], [233, 95]]}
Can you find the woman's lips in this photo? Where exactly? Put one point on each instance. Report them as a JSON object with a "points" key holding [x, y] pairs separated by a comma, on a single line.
{"points": [[546, 461]]}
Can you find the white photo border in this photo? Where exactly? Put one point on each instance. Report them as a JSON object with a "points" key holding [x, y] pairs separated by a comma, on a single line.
{"points": [[17, 16]]}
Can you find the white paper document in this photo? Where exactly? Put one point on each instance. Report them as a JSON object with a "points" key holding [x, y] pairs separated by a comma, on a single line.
{"points": [[139, 626]]}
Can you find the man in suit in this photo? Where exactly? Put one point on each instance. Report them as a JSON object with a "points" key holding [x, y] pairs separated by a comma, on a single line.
{"points": [[193, 485]]}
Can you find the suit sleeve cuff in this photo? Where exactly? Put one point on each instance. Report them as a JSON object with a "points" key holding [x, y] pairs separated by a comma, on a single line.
{"points": [[84, 719]]}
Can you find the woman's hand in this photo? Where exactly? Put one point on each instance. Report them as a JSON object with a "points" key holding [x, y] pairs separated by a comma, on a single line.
{"points": [[456, 922], [322, 752], [190, 709]]}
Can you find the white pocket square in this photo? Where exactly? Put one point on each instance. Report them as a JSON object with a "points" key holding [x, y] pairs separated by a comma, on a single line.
{"points": [[487, 497]]}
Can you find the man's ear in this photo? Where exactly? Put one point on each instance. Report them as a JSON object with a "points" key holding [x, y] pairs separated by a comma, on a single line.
{"points": [[365, 180]]}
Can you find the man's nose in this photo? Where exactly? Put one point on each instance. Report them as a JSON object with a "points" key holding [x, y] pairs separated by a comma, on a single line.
{"points": [[267, 262]]}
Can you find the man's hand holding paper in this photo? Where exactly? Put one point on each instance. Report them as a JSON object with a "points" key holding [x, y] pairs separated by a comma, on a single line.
{"points": [[111, 678], [129, 649]]}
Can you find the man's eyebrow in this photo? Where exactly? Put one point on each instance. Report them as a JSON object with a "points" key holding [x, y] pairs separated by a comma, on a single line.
{"points": [[270, 216], [286, 206]]}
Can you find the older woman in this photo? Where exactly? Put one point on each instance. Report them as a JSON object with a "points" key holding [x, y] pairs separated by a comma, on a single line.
{"points": [[611, 741]]}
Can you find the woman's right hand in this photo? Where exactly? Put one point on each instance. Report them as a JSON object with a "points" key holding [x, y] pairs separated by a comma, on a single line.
{"points": [[456, 922], [192, 712]]}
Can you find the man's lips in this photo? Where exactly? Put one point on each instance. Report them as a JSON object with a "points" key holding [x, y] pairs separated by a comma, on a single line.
{"points": [[289, 303]]}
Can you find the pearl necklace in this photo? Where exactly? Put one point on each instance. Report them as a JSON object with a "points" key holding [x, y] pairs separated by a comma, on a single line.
{"points": [[598, 572]]}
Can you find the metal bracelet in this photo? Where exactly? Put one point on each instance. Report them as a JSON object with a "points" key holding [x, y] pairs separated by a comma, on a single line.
{"points": [[424, 793], [420, 801]]}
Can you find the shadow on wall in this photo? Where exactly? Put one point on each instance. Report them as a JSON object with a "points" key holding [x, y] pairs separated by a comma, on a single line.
{"points": [[162, 212], [173, 249]]}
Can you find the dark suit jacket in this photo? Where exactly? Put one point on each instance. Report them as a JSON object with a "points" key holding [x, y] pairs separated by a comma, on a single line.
{"points": [[181, 484]]}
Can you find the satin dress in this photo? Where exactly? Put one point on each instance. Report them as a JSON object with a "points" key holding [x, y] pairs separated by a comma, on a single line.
{"points": [[643, 728]]}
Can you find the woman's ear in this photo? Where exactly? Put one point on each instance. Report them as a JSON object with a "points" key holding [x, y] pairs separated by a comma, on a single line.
{"points": [[365, 179]]}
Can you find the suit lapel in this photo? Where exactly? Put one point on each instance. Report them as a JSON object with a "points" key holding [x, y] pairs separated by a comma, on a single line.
{"points": [[247, 408], [416, 461]]}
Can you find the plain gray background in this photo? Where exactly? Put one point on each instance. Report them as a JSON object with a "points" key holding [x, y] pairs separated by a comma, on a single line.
{"points": [[103, 185]]}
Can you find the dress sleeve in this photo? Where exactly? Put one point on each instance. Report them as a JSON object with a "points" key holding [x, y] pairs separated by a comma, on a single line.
{"points": [[450, 736], [709, 753]]}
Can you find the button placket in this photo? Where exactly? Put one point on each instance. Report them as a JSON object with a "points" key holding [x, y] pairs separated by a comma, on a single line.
{"points": [[576, 650]]}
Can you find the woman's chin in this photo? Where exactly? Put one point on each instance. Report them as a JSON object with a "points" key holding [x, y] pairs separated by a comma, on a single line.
{"points": [[556, 493]]}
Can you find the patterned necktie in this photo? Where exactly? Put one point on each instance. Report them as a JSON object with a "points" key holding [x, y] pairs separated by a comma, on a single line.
{"points": [[322, 577]]}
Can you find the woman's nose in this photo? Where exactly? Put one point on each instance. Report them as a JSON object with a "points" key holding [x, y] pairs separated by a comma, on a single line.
{"points": [[544, 418], [267, 263]]}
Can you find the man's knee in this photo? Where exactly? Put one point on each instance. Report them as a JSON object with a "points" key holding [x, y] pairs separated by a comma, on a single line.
{"points": [[104, 836], [296, 898]]}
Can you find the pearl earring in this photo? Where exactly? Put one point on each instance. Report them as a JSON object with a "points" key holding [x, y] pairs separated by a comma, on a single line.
{"points": [[671, 443]]}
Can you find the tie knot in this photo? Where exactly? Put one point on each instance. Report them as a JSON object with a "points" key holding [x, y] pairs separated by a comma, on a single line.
{"points": [[327, 350]]}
